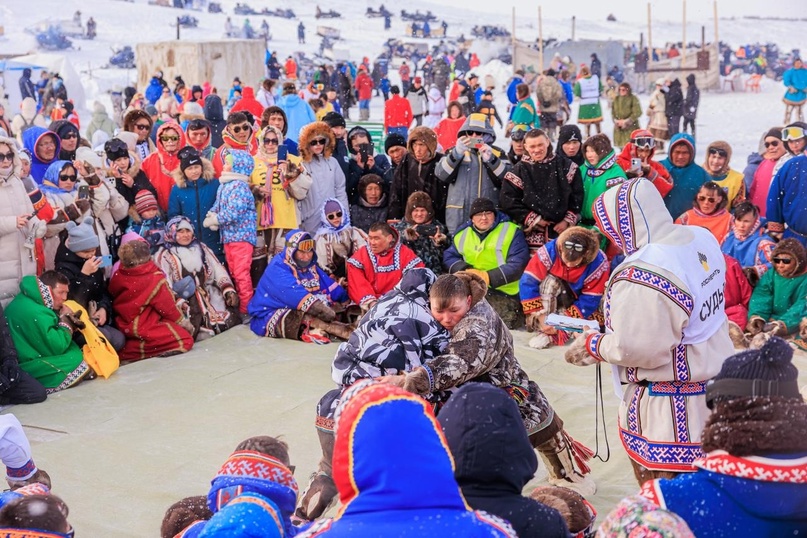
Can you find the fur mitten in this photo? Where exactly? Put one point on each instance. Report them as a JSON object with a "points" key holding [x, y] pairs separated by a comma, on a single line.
{"points": [[417, 381], [577, 353]]}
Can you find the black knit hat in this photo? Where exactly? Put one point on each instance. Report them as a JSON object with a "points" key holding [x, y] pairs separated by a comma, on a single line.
{"points": [[334, 119], [394, 140], [569, 132], [480, 205], [775, 132], [763, 372], [188, 157], [115, 149]]}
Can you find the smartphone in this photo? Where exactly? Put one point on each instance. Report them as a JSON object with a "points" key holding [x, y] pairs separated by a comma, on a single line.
{"points": [[477, 143], [282, 153], [83, 192], [106, 261], [364, 151], [635, 163]]}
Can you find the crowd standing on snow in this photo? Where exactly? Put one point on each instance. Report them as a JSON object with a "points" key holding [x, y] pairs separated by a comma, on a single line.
{"points": [[171, 221]]}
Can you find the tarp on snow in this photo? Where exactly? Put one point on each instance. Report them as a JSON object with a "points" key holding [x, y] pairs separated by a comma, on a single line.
{"points": [[52, 62]]}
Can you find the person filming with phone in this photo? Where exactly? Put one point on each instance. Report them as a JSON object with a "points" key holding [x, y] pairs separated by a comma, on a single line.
{"points": [[78, 259], [365, 161]]}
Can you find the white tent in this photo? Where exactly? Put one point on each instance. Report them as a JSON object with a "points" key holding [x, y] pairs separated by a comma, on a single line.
{"points": [[52, 62]]}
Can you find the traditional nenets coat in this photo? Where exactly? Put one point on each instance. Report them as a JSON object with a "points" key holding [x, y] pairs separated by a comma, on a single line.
{"points": [[666, 328]]}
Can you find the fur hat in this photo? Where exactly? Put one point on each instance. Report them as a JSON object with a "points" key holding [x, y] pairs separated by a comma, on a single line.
{"points": [[134, 253], [334, 119], [425, 135], [794, 248], [144, 201], [133, 116], [475, 283], [757, 406], [394, 140], [637, 516], [480, 205], [578, 235], [82, 236], [576, 511], [718, 144], [419, 199], [311, 132], [366, 180], [599, 143]]}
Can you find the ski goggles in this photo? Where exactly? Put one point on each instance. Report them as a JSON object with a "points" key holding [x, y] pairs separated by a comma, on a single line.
{"points": [[306, 245], [792, 133], [644, 142]]}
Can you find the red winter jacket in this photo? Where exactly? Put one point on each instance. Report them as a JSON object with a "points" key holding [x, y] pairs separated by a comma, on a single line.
{"points": [[248, 102], [370, 276], [659, 175], [737, 291], [364, 84], [159, 165], [147, 313], [397, 112]]}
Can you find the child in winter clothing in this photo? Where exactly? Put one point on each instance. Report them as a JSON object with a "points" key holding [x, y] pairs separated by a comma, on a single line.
{"points": [[151, 226], [777, 305], [600, 172], [709, 211], [234, 212], [336, 239], [147, 311], [737, 293], [748, 242]]}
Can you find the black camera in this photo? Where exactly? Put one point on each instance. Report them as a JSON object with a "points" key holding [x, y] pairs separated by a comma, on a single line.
{"points": [[427, 230]]}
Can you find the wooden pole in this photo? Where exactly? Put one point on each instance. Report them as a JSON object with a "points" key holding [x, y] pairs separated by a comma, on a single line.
{"points": [[574, 23], [540, 41], [717, 39], [513, 39], [649, 36], [684, 38], [177, 28]]}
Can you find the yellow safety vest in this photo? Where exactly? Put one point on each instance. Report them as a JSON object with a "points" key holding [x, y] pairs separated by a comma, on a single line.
{"points": [[489, 253]]}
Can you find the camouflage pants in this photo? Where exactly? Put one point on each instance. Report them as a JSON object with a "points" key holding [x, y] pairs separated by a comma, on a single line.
{"points": [[508, 307]]}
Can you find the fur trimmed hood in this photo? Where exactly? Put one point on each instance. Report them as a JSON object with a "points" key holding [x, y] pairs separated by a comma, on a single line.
{"points": [[585, 236], [718, 144], [134, 253], [425, 135], [207, 174], [132, 116], [312, 131], [478, 286]]}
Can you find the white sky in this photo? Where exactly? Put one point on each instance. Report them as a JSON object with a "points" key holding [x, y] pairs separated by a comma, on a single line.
{"points": [[697, 10]]}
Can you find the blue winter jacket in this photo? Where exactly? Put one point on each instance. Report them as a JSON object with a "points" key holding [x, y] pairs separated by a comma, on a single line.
{"points": [[687, 180], [154, 90], [194, 199], [786, 198], [30, 138], [235, 207], [284, 285], [298, 114], [795, 78]]}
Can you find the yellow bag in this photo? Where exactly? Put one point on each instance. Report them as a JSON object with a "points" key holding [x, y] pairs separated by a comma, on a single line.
{"points": [[98, 352]]}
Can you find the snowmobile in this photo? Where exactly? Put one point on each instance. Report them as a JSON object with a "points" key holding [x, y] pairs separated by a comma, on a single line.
{"points": [[53, 39], [186, 21], [214, 7], [327, 14], [382, 12], [123, 58], [244, 9]]}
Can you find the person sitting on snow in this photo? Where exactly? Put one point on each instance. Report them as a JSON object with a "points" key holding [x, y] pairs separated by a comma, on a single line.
{"points": [[566, 276], [295, 296]]}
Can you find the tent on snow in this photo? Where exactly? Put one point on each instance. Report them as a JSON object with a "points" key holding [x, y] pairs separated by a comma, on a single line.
{"points": [[51, 62], [217, 62]]}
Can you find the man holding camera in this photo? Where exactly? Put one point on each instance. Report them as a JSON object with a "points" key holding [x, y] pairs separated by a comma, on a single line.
{"points": [[472, 169], [365, 161]]}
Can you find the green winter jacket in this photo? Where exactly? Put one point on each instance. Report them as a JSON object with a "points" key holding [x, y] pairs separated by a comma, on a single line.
{"points": [[625, 107], [45, 349], [597, 180], [777, 298], [526, 114]]}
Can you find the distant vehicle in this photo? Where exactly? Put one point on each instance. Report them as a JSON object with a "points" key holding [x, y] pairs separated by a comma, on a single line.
{"points": [[418, 16], [213, 7], [123, 58], [244, 9], [279, 12], [327, 14], [382, 12], [53, 39], [186, 21]]}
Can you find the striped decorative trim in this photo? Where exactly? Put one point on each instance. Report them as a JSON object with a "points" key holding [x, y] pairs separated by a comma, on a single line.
{"points": [[593, 346], [791, 471], [22, 473], [658, 283]]}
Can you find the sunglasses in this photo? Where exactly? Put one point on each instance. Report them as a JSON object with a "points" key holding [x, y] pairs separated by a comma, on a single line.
{"points": [[267, 141], [571, 245], [7, 156], [785, 261], [142, 126], [774, 143], [318, 142], [65, 177], [711, 199], [792, 133], [337, 215], [169, 138], [718, 151], [644, 142], [70, 135], [306, 245], [238, 128]]}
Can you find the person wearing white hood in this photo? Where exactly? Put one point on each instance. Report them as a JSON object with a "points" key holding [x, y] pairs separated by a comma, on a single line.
{"points": [[666, 331], [436, 105], [27, 117]]}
